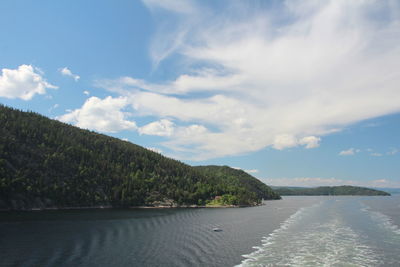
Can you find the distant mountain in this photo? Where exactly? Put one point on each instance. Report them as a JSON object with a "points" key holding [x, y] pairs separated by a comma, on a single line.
{"points": [[46, 163], [344, 190]]}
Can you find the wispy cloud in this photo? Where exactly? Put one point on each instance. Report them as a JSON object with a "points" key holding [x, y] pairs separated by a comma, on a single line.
{"points": [[253, 78], [174, 19], [349, 152], [53, 107], [369, 151]]}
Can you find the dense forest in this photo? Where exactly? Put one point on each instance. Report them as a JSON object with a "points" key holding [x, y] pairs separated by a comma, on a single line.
{"points": [[47, 163], [238, 183], [344, 190]]}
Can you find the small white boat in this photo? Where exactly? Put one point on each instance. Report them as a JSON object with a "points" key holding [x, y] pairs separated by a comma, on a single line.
{"points": [[216, 229]]}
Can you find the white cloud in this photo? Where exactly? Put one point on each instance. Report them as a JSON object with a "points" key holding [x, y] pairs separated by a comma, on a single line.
{"points": [[310, 141], [154, 149], [284, 141], [381, 183], [348, 152], [317, 181], [370, 151], [200, 80], [86, 92], [252, 80], [171, 30], [251, 171], [24, 82], [162, 127], [67, 72], [104, 115]]}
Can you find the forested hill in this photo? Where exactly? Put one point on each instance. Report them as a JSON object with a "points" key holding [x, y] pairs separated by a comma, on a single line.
{"points": [[46, 163], [344, 190], [234, 178]]}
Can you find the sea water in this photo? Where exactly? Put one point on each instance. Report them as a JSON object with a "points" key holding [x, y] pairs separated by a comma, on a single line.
{"points": [[336, 231], [295, 231]]}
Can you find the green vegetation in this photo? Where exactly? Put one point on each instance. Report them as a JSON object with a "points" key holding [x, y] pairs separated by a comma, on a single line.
{"points": [[344, 190], [224, 200], [237, 184], [46, 163]]}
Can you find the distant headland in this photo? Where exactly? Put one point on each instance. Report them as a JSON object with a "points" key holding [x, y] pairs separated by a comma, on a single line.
{"points": [[344, 190]]}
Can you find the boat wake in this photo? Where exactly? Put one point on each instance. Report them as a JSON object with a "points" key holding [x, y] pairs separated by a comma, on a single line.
{"points": [[382, 220], [330, 233]]}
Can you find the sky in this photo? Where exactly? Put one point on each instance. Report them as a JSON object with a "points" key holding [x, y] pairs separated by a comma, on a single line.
{"points": [[299, 93]]}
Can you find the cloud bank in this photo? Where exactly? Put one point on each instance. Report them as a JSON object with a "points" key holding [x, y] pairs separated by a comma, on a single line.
{"points": [[250, 77]]}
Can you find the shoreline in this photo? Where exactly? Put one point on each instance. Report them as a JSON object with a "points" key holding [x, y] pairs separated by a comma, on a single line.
{"points": [[134, 207]]}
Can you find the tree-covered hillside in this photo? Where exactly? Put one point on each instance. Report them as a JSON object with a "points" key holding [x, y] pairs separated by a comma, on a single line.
{"points": [[238, 182], [344, 190], [46, 163]]}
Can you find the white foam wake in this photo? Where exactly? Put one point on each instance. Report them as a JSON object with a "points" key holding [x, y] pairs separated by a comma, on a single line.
{"points": [[311, 238], [382, 220]]}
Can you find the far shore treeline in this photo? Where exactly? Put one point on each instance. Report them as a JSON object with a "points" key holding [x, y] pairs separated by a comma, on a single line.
{"points": [[45, 163], [344, 190]]}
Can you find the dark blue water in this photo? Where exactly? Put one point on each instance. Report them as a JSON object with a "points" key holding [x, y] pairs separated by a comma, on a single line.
{"points": [[295, 231]]}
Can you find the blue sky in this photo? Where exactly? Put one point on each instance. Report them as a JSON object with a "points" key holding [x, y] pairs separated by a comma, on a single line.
{"points": [[294, 92]]}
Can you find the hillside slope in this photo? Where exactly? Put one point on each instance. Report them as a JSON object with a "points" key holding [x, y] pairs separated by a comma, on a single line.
{"points": [[46, 163], [234, 179]]}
